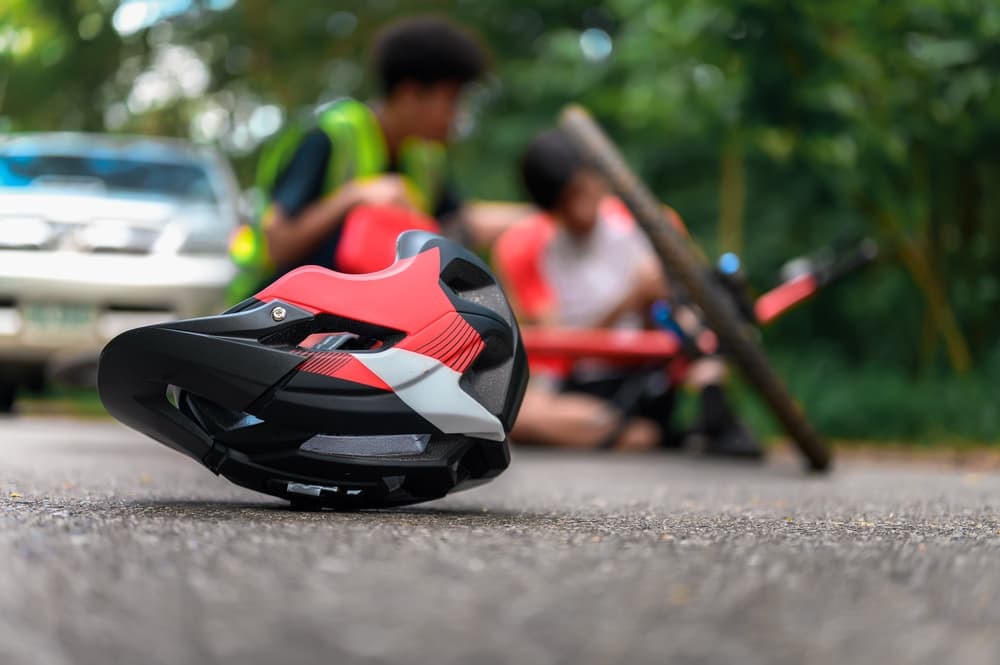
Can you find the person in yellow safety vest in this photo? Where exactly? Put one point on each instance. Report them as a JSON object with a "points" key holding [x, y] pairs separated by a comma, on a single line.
{"points": [[390, 153]]}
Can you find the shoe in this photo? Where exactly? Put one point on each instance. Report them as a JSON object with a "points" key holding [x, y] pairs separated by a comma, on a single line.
{"points": [[735, 441]]}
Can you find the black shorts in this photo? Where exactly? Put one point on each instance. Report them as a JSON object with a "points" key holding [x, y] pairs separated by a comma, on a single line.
{"points": [[642, 392]]}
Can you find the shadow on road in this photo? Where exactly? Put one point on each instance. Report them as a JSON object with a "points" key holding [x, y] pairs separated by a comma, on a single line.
{"points": [[195, 509]]}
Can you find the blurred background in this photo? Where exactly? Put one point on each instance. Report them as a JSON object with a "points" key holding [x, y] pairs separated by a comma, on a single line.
{"points": [[774, 127]]}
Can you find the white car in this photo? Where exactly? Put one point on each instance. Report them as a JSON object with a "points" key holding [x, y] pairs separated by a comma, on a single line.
{"points": [[99, 234]]}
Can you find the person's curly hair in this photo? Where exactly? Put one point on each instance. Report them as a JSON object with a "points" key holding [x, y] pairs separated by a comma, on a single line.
{"points": [[428, 50]]}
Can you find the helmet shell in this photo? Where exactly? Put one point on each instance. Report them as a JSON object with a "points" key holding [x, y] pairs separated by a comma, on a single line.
{"points": [[337, 390]]}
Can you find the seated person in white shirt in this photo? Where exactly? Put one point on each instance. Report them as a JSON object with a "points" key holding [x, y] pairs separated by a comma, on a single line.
{"points": [[582, 262]]}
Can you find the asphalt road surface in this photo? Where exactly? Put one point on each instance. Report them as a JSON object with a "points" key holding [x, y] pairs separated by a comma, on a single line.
{"points": [[115, 549]]}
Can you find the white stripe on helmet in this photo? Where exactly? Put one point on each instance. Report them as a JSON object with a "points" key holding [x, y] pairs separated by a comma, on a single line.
{"points": [[431, 389]]}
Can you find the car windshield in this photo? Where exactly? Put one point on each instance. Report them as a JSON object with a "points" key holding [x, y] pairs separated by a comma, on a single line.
{"points": [[159, 178]]}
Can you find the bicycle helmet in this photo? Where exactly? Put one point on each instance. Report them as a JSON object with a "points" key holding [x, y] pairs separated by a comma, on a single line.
{"points": [[337, 390]]}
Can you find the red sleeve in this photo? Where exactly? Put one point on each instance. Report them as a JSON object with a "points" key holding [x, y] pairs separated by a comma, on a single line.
{"points": [[518, 257]]}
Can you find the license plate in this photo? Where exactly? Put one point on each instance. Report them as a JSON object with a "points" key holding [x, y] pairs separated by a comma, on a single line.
{"points": [[59, 318]]}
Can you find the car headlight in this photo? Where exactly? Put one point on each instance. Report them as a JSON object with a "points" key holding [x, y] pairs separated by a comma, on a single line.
{"points": [[26, 232], [197, 240], [115, 236], [206, 241]]}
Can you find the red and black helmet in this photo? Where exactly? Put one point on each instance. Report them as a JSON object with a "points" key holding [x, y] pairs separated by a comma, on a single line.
{"points": [[337, 390]]}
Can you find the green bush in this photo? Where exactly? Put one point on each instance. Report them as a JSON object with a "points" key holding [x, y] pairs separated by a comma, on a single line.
{"points": [[871, 403]]}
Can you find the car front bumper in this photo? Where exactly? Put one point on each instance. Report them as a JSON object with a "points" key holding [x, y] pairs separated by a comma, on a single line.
{"points": [[56, 307]]}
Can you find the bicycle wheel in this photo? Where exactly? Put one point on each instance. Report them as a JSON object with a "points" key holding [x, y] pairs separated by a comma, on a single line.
{"points": [[683, 266]]}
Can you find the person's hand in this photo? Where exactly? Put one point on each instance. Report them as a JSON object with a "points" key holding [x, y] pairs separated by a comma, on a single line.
{"points": [[647, 287], [650, 284], [634, 300], [383, 190]]}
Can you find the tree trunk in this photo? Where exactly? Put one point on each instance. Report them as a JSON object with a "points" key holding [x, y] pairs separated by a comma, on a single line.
{"points": [[732, 196]]}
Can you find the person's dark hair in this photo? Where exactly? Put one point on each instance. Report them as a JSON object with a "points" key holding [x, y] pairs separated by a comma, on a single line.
{"points": [[428, 50], [547, 165]]}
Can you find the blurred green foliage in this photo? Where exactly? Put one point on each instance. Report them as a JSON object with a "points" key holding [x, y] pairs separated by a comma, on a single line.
{"points": [[773, 126]]}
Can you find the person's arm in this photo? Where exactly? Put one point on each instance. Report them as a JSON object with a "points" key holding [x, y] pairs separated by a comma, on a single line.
{"points": [[485, 221], [291, 237], [301, 217]]}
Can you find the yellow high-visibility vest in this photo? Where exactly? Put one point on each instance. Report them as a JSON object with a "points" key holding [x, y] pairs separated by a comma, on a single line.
{"points": [[358, 150]]}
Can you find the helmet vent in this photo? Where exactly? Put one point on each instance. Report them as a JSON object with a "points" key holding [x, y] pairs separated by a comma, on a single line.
{"points": [[327, 332], [338, 341], [462, 276]]}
